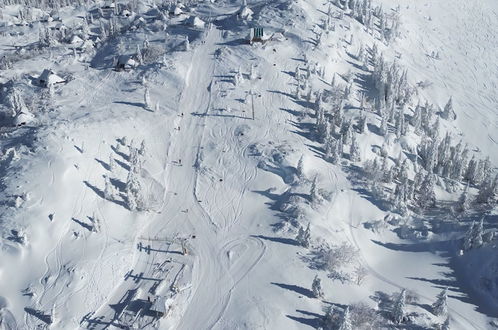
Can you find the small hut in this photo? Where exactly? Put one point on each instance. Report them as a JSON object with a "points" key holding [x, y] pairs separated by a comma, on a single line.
{"points": [[245, 13], [23, 118], [126, 62], [49, 78], [195, 21], [158, 307]]}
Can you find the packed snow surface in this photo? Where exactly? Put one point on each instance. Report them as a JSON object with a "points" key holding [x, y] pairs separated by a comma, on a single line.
{"points": [[162, 171]]}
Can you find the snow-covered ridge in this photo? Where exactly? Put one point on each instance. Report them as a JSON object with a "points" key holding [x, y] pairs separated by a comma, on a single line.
{"points": [[161, 171]]}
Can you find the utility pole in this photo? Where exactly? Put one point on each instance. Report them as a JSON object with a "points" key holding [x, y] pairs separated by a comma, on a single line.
{"points": [[252, 103]]}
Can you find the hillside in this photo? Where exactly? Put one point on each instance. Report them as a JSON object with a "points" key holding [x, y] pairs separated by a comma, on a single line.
{"points": [[165, 173]]}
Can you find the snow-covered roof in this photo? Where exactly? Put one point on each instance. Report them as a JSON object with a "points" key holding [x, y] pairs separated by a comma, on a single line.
{"points": [[48, 77], [195, 21], [159, 305], [126, 13], [75, 40], [127, 60], [178, 10], [246, 13], [60, 26], [23, 118]]}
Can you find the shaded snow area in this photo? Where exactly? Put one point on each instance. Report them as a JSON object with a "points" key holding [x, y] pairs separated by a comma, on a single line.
{"points": [[288, 164]]}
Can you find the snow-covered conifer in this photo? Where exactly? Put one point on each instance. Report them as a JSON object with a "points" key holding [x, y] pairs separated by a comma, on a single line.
{"points": [[304, 236], [440, 306], [112, 163], [186, 44], [346, 321], [314, 196], [354, 151], [446, 324], [362, 124], [448, 113], [398, 311], [464, 201], [316, 287], [252, 72], [300, 167], [108, 189], [467, 240], [383, 126], [427, 196], [147, 100], [142, 149]]}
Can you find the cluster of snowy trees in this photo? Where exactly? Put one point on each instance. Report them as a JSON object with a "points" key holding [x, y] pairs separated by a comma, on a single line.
{"points": [[475, 237], [333, 129], [133, 189], [361, 316], [133, 192], [437, 158], [363, 11], [46, 4]]}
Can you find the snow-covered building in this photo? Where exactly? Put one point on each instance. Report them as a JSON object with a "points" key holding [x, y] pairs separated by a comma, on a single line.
{"points": [[159, 307], [245, 13], [126, 13], [49, 78], [22, 118], [196, 22], [126, 62]]}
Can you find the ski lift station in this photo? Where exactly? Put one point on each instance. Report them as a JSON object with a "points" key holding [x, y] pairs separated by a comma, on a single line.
{"points": [[256, 34]]}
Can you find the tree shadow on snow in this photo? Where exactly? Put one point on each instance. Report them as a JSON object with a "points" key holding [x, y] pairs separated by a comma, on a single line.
{"points": [[298, 289], [282, 240], [104, 164], [39, 315], [100, 193], [82, 224], [314, 322]]}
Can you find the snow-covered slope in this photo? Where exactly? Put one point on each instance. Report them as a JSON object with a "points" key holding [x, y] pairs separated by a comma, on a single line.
{"points": [[181, 178]]}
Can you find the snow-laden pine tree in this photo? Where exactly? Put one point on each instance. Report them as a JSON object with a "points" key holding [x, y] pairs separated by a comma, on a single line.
{"points": [[108, 189], [467, 240], [304, 236], [186, 44], [238, 78], [147, 100], [464, 201], [446, 324], [487, 190], [362, 123], [427, 196], [300, 167], [346, 321], [440, 306], [112, 163], [383, 126], [316, 287], [400, 124], [478, 234], [142, 149], [314, 196], [329, 321], [252, 73], [448, 113], [354, 150], [398, 311]]}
